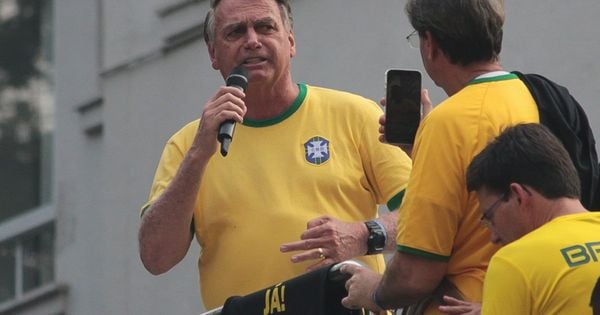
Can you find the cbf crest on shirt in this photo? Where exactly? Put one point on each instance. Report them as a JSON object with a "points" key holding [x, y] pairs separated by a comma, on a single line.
{"points": [[316, 150]]}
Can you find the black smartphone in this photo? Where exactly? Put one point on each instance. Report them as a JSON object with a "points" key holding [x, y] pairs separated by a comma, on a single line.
{"points": [[402, 105]]}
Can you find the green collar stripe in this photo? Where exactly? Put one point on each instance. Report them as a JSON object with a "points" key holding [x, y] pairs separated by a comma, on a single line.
{"points": [[395, 202], [509, 76], [424, 254], [275, 120]]}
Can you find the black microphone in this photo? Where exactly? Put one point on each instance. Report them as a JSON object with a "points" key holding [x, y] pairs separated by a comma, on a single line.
{"points": [[239, 79]]}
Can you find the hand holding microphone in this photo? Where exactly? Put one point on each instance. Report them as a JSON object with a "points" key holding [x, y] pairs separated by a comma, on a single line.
{"points": [[239, 79]]}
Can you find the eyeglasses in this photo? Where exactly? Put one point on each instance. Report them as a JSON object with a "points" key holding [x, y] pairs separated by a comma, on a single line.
{"points": [[413, 39], [488, 213]]}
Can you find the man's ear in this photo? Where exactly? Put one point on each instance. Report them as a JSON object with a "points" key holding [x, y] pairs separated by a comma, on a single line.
{"points": [[292, 41], [429, 46], [523, 195], [212, 54]]}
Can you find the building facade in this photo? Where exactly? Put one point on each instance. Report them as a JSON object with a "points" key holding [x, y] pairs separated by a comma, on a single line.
{"points": [[90, 90]]}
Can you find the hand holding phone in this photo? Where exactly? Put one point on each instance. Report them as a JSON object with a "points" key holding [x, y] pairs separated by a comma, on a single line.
{"points": [[403, 105]]}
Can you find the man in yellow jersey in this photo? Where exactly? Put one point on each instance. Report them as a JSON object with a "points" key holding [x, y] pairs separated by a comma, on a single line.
{"points": [[441, 247], [529, 193], [299, 152]]}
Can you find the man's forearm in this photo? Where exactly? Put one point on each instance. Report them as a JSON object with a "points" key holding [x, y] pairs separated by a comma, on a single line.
{"points": [[389, 222], [407, 279], [391, 293]]}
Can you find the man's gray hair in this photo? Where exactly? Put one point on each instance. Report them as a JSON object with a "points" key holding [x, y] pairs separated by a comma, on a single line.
{"points": [[209, 21], [467, 31]]}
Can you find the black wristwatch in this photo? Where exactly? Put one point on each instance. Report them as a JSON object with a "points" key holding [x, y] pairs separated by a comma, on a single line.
{"points": [[377, 237]]}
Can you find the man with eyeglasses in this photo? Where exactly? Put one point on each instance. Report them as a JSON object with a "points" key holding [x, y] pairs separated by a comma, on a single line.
{"points": [[530, 191], [441, 246]]}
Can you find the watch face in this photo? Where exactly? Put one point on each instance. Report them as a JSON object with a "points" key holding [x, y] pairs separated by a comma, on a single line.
{"points": [[376, 239]]}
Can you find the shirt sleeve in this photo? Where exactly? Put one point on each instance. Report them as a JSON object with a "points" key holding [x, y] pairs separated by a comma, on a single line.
{"points": [[172, 155], [387, 167], [436, 195]]}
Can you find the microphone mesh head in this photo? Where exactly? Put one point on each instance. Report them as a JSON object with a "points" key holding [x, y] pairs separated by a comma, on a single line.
{"points": [[238, 78]]}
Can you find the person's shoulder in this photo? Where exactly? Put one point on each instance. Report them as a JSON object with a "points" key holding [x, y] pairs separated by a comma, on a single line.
{"points": [[185, 133], [334, 97], [540, 239], [445, 113], [330, 92], [513, 252], [465, 107], [594, 215]]}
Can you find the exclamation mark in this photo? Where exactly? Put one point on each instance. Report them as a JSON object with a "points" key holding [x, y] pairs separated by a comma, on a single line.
{"points": [[283, 298]]}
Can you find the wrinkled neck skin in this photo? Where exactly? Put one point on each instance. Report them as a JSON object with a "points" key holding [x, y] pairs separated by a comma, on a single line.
{"points": [[457, 77], [265, 101], [549, 209]]}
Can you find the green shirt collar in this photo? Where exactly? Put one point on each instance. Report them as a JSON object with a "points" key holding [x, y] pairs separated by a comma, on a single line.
{"points": [[503, 77], [281, 117]]}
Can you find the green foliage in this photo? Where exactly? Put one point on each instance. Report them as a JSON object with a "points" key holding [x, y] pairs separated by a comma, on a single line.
{"points": [[20, 139]]}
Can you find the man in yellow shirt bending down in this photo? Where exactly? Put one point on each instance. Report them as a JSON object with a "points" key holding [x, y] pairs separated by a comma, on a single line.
{"points": [[529, 194]]}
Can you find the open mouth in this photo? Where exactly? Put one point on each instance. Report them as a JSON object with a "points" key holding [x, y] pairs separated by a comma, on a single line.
{"points": [[254, 60]]}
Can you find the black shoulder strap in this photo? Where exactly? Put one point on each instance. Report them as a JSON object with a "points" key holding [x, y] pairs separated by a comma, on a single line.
{"points": [[563, 115], [595, 299]]}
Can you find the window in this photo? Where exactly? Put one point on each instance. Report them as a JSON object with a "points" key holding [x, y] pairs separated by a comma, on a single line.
{"points": [[26, 263], [7, 279], [25, 106], [37, 259]]}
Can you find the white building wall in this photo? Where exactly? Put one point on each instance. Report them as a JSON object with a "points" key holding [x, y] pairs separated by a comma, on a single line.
{"points": [[108, 59]]}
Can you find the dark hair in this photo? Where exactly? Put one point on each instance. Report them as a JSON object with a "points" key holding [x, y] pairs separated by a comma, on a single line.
{"points": [[528, 154], [466, 31], [209, 21]]}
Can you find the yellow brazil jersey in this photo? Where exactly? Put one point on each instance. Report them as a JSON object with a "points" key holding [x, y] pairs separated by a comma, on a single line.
{"points": [[552, 270], [439, 218], [321, 157]]}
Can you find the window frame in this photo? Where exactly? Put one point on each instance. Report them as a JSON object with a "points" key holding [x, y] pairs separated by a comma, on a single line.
{"points": [[40, 218], [33, 296]]}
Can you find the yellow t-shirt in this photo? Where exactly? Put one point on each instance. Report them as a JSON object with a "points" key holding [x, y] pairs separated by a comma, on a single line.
{"points": [[439, 218], [551, 270], [321, 157]]}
